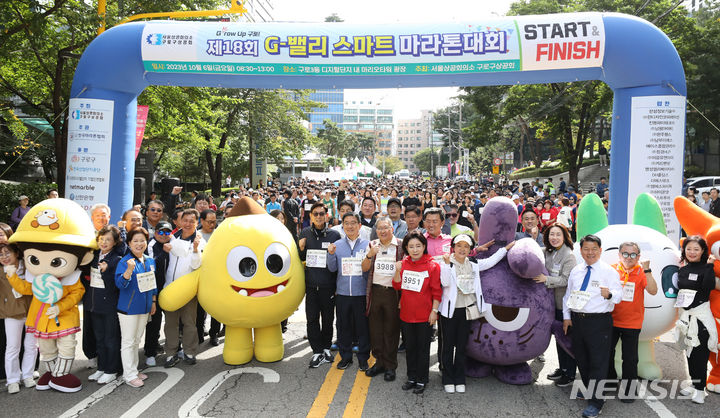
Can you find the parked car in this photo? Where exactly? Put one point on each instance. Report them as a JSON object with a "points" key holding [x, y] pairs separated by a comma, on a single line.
{"points": [[704, 184]]}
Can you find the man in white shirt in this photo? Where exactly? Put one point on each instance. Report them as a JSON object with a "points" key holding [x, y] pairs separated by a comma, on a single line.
{"points": [[593, 290]]}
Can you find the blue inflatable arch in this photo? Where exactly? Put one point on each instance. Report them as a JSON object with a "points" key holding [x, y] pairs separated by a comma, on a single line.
{"points": [[632, 56]]}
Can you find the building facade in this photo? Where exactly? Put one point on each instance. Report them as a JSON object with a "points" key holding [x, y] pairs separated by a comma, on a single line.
{"points": [[371, 117], [413, 135], [334, 100]]}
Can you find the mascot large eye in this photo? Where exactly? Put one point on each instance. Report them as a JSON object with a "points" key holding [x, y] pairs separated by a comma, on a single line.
{"points": [[58, 262], [34, 260], [277, 259], [715, 250], [506, 318], [670, 281], [241, 263]]}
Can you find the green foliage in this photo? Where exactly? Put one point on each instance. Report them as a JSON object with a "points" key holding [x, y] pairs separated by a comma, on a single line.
{"points": [[422, 159], [391, 164], [9, 193], [548, 168]]}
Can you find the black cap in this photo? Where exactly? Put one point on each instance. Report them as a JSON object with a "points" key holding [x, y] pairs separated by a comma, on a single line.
{"points": [[163, 225], [394, 200]]}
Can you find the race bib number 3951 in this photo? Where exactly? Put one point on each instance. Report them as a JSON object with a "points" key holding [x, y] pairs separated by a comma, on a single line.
{"points": [[413, 280]]}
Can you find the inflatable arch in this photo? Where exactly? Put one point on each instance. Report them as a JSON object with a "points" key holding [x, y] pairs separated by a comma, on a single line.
{"points": [[632, 56]]}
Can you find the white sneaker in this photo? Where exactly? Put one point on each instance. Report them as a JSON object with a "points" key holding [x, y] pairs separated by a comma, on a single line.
{"points": [[460, 388], [14, 387], [106, 378], [699, 396], [29, 382], [96, 375], [92, 363], [450, 388], [150, 362], [687, 391]]}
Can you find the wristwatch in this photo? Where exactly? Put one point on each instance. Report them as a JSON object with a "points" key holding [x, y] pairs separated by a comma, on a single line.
{"points": [[609, 296], [368, 257], [435, 310]]}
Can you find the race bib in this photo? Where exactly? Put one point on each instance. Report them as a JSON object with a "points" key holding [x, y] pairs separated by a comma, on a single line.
{"points": [[413, 280], [316, 258], [385, 266], [545, 216], [628, 292], [446, 248], [96, 280], [685, 298], [578, 299], [325, 245], [308, 207], [466, 285], [146, 281], [465, 214], [351, 266]]}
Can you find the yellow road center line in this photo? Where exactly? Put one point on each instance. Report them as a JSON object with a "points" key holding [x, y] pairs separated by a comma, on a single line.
{"points": [[356, 403], [327, 391]]}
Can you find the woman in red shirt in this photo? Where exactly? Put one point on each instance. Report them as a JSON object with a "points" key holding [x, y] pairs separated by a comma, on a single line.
{"points": [[418, 275], [548, 215]]}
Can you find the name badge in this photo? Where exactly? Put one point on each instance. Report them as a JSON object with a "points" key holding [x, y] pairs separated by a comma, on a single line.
{"points": [[385, 266], [628, 292], [325, 245], [446, 248], [693, 277], [465, 214], [308, 207], [146, 281], [578, 299], [685, 298], [466, 284], [413, 280], [316, 258], [555, 269], [351, 266], [96, 280], [594, 283], [545, 216]]}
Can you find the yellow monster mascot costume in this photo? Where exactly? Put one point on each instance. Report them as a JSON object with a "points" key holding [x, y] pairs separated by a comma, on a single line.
{"points": [[696, 221], [56, 237], [251, 279]]}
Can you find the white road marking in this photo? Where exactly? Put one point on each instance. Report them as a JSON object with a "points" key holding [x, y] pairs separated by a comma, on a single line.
{"points": [[91, 400], [302, 353], [211, 352], [658, 407], [173, 377], [192, 406]]}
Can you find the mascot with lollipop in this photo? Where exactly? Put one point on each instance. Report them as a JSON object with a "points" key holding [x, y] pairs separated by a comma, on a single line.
{"points": [[57, 238]]}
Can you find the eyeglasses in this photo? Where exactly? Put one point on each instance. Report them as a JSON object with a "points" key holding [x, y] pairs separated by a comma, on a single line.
{"points": [[453, 215], [164, 232], [350, 223], [318, 213], [629, 255], [155, 210]]}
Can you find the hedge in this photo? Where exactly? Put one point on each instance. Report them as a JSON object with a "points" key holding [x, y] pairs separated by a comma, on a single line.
{"points": [[528, 172], [9, 194]]}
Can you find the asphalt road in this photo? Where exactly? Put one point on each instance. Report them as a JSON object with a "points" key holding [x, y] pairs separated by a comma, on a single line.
{"points": [[290, 388]]}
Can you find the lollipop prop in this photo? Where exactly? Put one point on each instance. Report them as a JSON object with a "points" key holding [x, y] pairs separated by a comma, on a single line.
{"points": [[48, 289]]}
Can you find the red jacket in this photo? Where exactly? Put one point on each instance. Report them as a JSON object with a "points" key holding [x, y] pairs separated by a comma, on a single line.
{"points": [[416, 306]]}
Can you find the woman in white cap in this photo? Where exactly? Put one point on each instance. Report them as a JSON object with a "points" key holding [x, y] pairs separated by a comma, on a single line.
{"points": [[19, 211], [461, 302]]}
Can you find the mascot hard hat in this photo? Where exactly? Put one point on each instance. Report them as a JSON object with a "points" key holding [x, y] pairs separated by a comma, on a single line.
{"points": [[56, 221]]}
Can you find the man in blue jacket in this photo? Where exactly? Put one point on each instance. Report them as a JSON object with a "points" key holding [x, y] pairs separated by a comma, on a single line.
{"points": [[345, 257]]}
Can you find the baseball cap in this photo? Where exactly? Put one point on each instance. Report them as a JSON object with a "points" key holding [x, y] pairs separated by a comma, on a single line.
{"points": [[394, 200], [23, 197], [163, 225]]}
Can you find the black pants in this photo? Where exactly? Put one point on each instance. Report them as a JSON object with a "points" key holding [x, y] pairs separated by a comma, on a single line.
{"points": [[455, 332], [591, 335], [698, 360], [152, 334], [565, 360], [350, 310], [215, 326], [417, 350], [88, 340], [629, 338], [200, 323], [107, 339], [320, 315]]}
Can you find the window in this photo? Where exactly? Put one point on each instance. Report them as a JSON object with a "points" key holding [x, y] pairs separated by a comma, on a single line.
{"points": [[384, 112], [367, 111], [351, 111], [367, 118]]}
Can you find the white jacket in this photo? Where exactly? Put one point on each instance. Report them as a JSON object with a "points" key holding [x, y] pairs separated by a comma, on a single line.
{"points": [[448, 280], [182, 259]]}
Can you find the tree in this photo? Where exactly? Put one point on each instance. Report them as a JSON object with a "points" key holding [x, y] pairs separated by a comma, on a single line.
{"points": [[422, 159], [360, 145], [388, 164], [332, 140], [334, 18]]}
